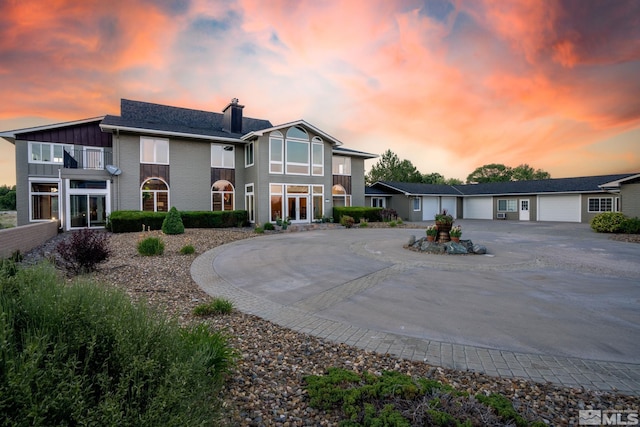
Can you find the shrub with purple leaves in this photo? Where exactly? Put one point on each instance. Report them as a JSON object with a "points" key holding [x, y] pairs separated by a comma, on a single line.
{"points": [[83, 250]]}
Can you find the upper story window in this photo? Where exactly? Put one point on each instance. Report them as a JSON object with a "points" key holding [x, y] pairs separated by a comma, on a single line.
{"points": [[276, 152], [297, 151], [248, 154], [317, 156], [44, 152], [341, 165], [154, 150], [223, 156]]}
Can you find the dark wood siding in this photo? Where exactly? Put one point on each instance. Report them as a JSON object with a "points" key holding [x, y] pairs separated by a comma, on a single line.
{"points": [[154, 171], [219, 173], [88, 134], [343, 180]]}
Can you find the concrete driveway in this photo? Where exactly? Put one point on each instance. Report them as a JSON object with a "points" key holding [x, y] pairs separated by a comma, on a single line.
{"points": [[546, 298]]}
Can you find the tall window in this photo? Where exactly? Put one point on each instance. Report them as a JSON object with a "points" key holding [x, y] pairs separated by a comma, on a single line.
{"points": [[341, 165], [249, 202], [276, 195], [340, 196], [297, 152], [248, 154], [276, 152], [317, 156], [222, 156], [222, 196], [154, 150], [318, 202], [44, 201], [155, 195]]}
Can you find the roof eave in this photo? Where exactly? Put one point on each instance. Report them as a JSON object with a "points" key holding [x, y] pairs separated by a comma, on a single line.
{"points": [[257, 133], [10, 135], [105, 127]]}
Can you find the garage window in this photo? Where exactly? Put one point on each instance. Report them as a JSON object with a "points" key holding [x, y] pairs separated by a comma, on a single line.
{"points": [[603, 204], [506, 205]]}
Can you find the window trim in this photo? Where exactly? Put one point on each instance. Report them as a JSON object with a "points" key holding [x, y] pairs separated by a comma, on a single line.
{"points": [[249, 155], [278, 137], [41, 193], [613, 201], [382, 202], [223, 148], [508, 202], [223, 192], [65, 148], [317, 142], [347, 165], [157, 142], [413, 204], [306, 165], [155, 194]]}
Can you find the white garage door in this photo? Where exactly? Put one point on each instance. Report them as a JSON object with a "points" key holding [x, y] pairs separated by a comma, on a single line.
{"points": [[559, 208], [449, 203], [429, 208], [477, 208]]}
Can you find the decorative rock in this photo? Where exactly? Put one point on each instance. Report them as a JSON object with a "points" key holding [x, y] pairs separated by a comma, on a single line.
{"points": [[479, 249], [455, 248], [412, 240]]}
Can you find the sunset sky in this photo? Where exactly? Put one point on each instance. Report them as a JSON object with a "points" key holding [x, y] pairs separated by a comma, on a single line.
{"points": [[448, 85]]}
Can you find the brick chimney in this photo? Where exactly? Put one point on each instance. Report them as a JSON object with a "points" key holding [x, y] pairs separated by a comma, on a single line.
{"points": [[232, 119]]}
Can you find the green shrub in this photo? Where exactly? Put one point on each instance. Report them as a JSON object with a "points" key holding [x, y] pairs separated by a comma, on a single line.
{"points": [[607, 222], [630, 226], [81, 354], [357, 213], [151, 246], [268, 226], [259, 230], [393, 224], [172, 223], [347, 221], [216, 306], [81, 251], [187, 250], [132, 221]]}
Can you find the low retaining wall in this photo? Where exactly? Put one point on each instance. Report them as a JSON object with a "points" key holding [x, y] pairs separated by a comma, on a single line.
{"points": [[26, 237]]}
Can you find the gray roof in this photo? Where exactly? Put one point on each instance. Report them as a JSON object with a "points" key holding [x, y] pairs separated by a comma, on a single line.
{"points": [[164, 118], [585, 184], [354, 153]]}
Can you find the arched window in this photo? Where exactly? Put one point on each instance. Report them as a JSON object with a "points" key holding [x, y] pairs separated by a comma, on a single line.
{"points": [[297, 152], [154, 194], [297, 132], [222, 196], [340, 196]]}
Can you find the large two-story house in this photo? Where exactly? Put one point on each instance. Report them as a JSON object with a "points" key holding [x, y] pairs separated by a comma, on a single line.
{"points": [[152, 157]]}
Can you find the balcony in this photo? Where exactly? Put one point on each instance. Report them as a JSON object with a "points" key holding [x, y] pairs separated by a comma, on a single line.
{"points": [[95, 158]]}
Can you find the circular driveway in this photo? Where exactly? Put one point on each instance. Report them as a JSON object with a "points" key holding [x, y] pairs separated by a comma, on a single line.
{"points": [[549, 289]]}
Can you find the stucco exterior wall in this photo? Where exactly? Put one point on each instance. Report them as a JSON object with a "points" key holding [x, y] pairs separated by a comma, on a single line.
{"points": [[357, 182], [190, 169], [630, 199], [22, 182], [127, 184]]}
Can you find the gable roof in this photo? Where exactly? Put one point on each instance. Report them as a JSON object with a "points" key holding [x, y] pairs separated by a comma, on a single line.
{"points": [[585, 184], [11, 135], [137, 116], [302, 123]]}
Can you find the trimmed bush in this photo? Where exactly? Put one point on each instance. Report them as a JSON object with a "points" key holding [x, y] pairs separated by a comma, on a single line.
{"points": [[630, 226], [172, 223], [132, 221], [607, 222], [81, 354], [151, 246], [268, 226], [83, 250], [357, 213]]}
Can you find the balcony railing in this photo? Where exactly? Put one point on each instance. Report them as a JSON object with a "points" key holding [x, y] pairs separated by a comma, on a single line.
{"points": [[87, 158]]}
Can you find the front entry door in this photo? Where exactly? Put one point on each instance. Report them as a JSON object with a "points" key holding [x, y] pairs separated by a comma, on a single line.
{"points": [[297, 207], [524, 210]]}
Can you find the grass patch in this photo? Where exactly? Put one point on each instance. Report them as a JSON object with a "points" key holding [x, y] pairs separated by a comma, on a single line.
{"points": [[216, 306], [397, 400], [151, 246], [82, 354]]}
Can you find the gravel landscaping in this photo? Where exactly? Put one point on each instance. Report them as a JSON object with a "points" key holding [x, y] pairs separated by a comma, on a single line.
{"points": [[267, 387]]}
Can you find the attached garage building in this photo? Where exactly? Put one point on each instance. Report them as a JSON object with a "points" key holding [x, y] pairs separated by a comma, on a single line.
{"points": [[562, 200]]}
